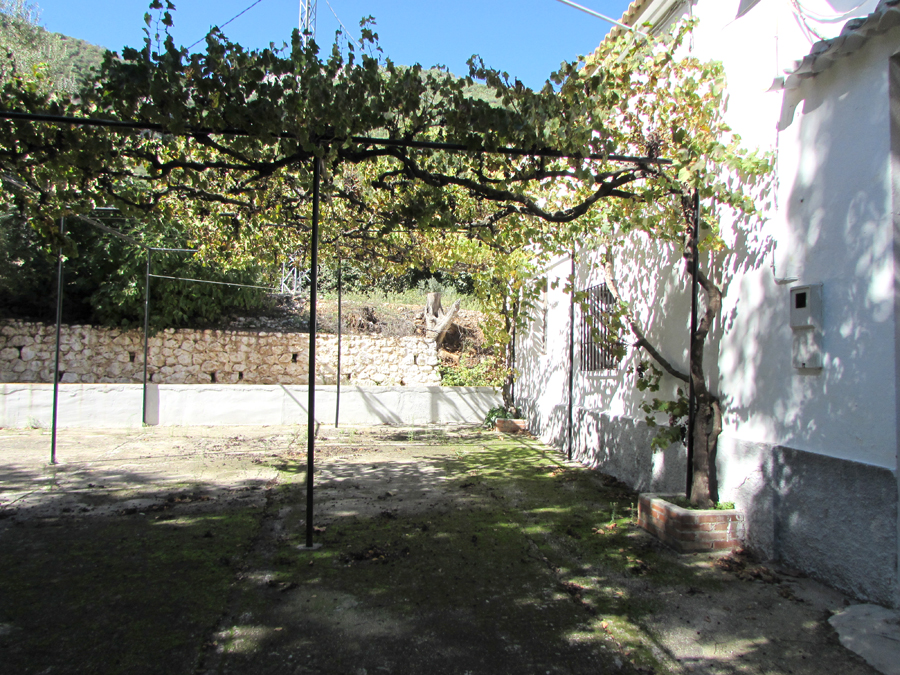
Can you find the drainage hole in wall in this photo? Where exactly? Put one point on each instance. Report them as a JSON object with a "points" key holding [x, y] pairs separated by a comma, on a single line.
{"points": [[240, 376], [59, 375], [212, 377], [294, 358], [132, 356]]}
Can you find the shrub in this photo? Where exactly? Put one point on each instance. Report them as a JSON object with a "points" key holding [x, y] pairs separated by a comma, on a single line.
{"points": [[487, 373]]}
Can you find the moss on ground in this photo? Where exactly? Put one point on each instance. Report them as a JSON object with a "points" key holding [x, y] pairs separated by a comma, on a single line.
{"points": [[522, 563], [116, 595], [538, 551]]}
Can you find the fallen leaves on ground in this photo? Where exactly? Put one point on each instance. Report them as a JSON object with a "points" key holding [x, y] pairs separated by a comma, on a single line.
{"points": [[744, 564]]}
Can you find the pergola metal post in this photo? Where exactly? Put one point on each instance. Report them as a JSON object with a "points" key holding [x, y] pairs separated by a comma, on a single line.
{"points": [[146, 332], [59, 299], [571, 354], [337, 399], [311, 406], [692, 397]]}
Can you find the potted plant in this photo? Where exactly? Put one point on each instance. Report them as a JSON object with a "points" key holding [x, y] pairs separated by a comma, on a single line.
{"points": [[506, 420]]}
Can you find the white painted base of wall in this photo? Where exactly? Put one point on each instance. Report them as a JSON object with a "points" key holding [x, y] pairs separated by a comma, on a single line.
{"points": [[119, 405]]}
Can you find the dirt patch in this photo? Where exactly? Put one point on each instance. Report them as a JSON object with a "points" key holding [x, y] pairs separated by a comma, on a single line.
{"points": [[443, 550]]}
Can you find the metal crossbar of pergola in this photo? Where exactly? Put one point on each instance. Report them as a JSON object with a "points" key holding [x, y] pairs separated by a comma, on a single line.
{"points": [[314, 260], [95, 222]]}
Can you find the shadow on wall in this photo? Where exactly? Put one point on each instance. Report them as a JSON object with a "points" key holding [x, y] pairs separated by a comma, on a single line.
{"points": [[839, 233], [375, 405], [832, 516], [621, 447], [609, 430]]}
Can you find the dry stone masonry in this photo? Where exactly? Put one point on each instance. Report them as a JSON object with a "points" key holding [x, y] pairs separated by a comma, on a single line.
{"points": [[90, 354]]}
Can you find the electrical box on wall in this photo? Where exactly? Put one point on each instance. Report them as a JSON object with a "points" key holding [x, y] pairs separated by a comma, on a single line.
{"points": [[807, 326]]}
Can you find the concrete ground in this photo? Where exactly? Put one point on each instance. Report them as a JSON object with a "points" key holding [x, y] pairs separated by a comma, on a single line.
{"points": [[445, 549], [873, 632]]}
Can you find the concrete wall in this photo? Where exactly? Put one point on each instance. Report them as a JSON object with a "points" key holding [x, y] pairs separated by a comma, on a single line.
{"points": [[832, 518], [92, 354], [120, 405]]}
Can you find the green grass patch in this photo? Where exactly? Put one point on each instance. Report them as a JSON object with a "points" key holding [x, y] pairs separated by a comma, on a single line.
{"points": [[533, 545], [685, 503], [118, 595]]}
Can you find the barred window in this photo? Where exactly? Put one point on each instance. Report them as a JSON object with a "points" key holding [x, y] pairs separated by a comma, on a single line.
{"points": [[600, 347]]}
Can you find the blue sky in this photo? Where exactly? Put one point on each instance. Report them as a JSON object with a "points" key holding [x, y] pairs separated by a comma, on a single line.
{"points": [[526, 38]]}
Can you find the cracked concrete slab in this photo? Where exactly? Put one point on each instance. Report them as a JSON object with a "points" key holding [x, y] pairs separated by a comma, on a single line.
{"points": [[873, 632]]}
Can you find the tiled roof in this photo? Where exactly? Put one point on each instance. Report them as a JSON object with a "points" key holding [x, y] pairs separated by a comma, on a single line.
{"points": [[630, 16], [854, 35]]}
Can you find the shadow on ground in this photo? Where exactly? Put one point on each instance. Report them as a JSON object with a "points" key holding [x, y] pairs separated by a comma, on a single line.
{"points": [[443, 551]]}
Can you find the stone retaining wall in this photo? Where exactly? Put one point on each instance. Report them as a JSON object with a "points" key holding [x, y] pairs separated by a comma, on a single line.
{"points": [[90, 354]]}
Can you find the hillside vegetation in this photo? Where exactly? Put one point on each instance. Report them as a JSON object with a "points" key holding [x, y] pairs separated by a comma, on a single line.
{"points": [[63, 61]]}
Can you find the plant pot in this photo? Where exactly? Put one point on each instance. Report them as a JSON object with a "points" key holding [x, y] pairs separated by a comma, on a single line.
{"points": [[508, 426], [690, 530]]}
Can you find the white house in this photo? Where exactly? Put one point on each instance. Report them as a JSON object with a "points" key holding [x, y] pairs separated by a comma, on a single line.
{"points": [[809, 448]]}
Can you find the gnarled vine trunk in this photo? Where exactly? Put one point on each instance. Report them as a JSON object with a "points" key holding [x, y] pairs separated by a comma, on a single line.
{"points": [[708, 416], [510, 320]]}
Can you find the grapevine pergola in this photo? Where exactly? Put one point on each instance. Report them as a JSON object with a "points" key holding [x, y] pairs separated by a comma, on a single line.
{"points": [[314, 244]]}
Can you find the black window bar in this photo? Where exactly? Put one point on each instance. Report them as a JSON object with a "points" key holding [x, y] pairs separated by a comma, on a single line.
{"points": [[600, 349]]}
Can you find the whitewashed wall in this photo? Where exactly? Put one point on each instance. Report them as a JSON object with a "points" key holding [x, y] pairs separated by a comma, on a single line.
{"points": [[832, 224], [811, 456], [121, 405]]}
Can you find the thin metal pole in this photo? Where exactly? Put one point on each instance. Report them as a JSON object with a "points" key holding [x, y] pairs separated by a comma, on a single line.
{"points": [[692, 397], [146, 331], [59, 301], [571, 353], [313, 292], [337, 400], [602, 16]]}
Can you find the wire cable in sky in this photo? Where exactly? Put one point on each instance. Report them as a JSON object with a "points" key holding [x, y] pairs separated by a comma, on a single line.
{"points": [[601, 16], [346, 30], [227, 22]]}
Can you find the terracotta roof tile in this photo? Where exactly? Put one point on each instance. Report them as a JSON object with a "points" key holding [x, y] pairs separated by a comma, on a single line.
{"points": [[630, 16], [855, 34]]}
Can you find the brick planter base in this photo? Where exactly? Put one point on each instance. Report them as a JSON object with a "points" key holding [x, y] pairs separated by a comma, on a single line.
{"points": [[508, 426], [688, 530]]}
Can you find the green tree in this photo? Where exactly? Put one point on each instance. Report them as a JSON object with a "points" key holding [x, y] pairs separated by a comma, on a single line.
{"points": [[105, 277], [61, 62]]}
